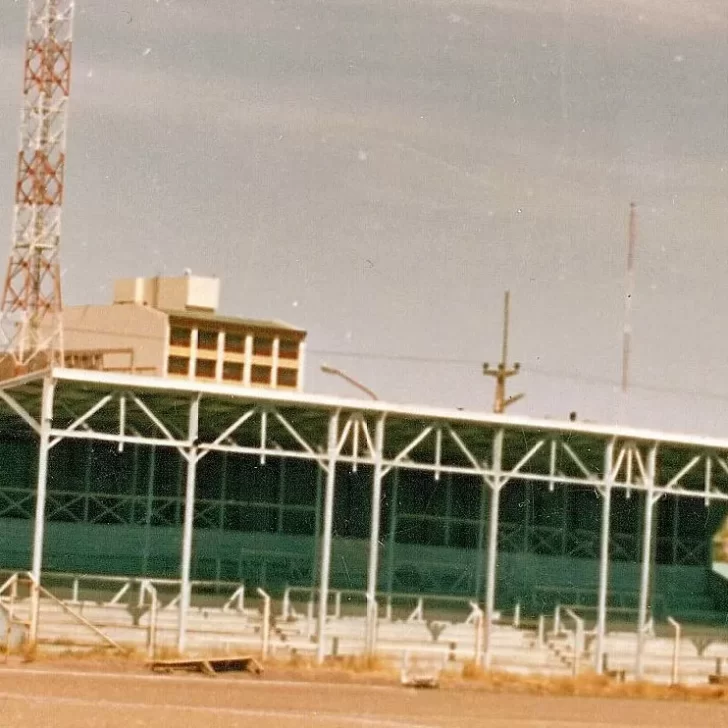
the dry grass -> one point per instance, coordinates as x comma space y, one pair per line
351, 665
586, 685
378, 670
364, 664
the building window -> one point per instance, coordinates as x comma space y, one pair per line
287, 377
235, 343
232, 372
288, 349
205, 368
179, 336
178, 365
207, 340
260, 375
262, 346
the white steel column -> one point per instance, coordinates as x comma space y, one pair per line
392, 538
148, 512
492, 546
324, 571
606, 493
650, 501
480, 544
191, 457
46, 422
372, 610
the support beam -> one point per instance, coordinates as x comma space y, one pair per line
650, 500
606, 493
392, 538
480, 544
186, 561
46, 422
492, 555
324, 572
317, 526
148, 510
372, 611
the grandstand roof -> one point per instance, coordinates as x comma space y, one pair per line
154, 410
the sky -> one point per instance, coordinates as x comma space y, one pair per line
379, 172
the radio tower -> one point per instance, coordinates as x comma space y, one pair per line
31, 299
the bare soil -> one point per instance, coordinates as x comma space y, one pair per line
67, 692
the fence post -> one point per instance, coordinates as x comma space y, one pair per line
557, 619
371, 626
286, 607
674, 679
309, 619
578, 640
154, 606
265, 629
479, 618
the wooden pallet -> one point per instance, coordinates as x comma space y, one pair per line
421, 681
210, 666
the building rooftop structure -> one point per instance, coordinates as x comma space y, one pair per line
170, 327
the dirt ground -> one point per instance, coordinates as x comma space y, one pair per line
50, 695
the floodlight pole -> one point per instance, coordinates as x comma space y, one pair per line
324, 571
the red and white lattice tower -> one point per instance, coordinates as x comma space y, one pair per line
31, 300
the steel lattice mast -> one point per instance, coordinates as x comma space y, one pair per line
31, 300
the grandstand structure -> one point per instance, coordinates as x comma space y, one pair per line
125, 474
156, 446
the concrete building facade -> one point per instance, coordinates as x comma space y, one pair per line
170, 327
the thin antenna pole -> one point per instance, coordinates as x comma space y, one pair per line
502, 373
506, 325
629, 293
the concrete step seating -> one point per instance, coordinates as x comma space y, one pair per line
222, 623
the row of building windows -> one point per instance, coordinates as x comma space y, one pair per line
284, 374
234, 343
233, 372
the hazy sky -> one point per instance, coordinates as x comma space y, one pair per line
379, 171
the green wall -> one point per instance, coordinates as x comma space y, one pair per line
121, 513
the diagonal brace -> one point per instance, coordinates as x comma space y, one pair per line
402, 455
20, 411
205, 449
81, 421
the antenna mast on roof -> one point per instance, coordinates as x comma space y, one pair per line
502, 372
30, 312
628, 294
